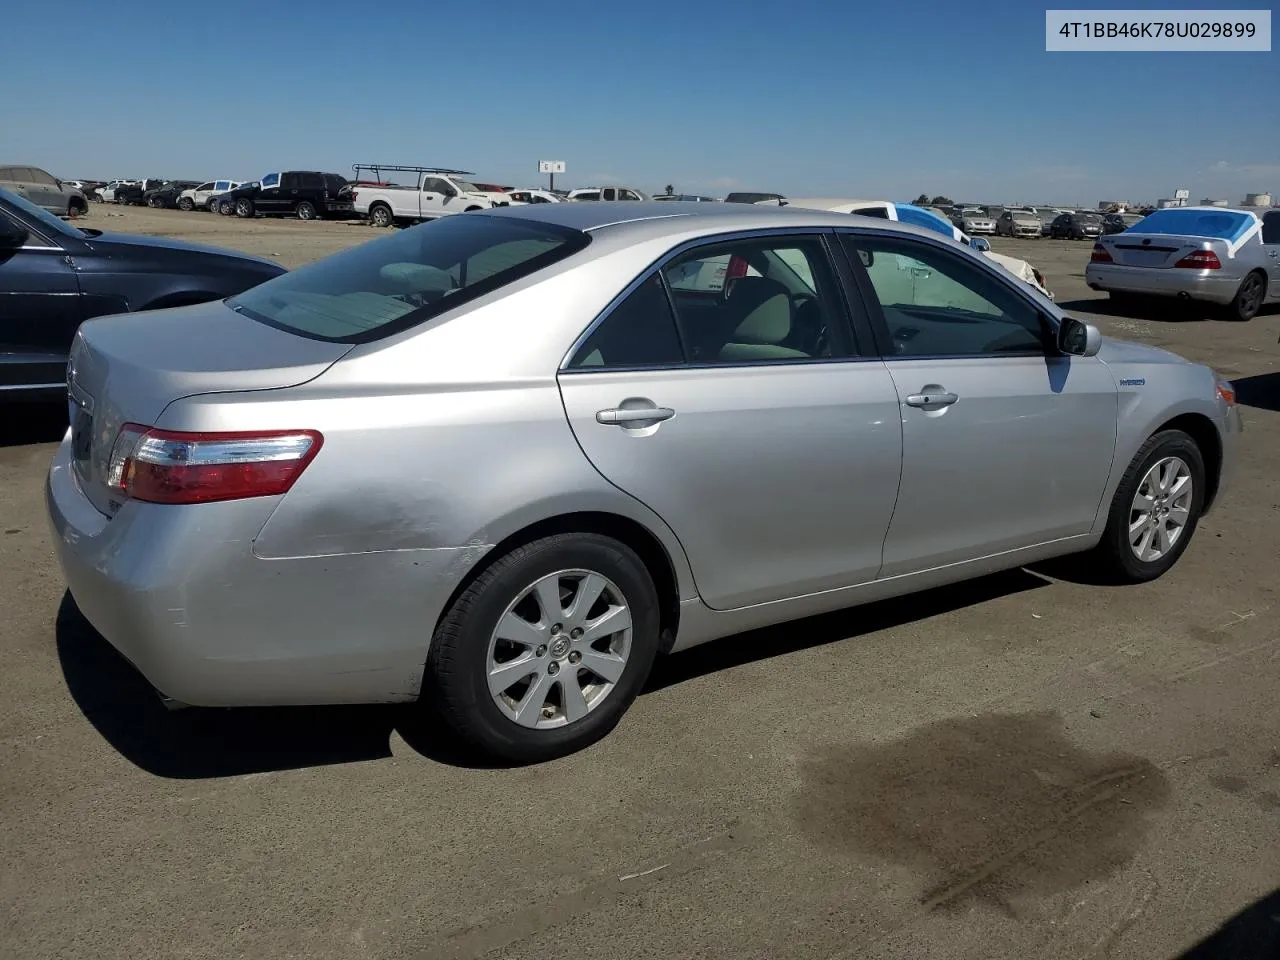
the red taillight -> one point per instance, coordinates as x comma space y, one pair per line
1099, 254
165, 466
1200, 260
354, 194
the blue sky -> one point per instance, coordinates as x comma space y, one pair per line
877, 100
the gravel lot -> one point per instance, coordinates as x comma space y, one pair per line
1022, 766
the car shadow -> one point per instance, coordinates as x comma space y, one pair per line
1262, 391
834, 627
1252, 934
33, 422
198, 743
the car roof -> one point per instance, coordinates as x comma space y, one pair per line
649, 219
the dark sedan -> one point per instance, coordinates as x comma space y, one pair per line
166, 196
1119, 222
1076, 226
53, 276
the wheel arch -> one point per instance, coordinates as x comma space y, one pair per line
647, 545
1203, 431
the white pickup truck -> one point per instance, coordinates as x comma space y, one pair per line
438, 193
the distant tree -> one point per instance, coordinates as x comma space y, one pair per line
922, 200
941, 201
670, 189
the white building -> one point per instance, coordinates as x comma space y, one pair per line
1257, 199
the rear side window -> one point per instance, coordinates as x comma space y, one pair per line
638, 332
310, 181
380, 288
1271, 228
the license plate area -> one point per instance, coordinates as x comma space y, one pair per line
81, 436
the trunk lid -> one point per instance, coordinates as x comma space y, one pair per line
1156, 250
128, 368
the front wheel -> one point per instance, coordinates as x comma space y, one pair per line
305, 210
186, 204
1155, 509
545, 651
1248, 299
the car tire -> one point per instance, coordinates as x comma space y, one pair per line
305, 210
1247, 302
1125, 556
77, 208
380, 215
469, 645
244, 208
185, 204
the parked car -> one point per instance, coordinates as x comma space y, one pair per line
1119, 222
166, 195
606, 193
44, 190
1079, 225
745, 196
436, 193
545, 507
198, 197
974, 221
534, 195
107, 192
929, 220
1216, 255
134, 193
1047, 215
686, 197
308, 194
54, 276
1018, 222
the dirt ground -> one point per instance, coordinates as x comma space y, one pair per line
1024, 766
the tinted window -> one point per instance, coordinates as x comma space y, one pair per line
396, 282
588, 195
333, 181
436, 185
1271, 228
39, 176
222, 185
937, 305
880, 212
309, 181
638, 332
757, 300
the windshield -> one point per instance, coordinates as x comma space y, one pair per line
396, 282
466, 186
47, 219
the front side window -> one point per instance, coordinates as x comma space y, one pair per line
935, 304
270, 180
638, 332
757, 300
39, 176
435, 185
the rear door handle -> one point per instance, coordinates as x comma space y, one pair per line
931, 399
628, 416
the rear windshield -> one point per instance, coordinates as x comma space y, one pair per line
399, 281
1228, 225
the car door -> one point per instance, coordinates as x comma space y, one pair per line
744, 416
40, 309
1271, 251
268, 198
433, 195
1005, 442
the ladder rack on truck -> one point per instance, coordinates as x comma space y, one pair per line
377, 168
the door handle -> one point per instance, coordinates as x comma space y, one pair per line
931, 399
628, 416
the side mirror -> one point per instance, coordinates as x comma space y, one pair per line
1078, 339
12, 235
981, 244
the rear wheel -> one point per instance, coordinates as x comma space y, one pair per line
1248, 298
244, 207
380, 215
543, 653
305, 210
1155, 509
77, 208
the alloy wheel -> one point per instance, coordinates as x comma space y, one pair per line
1161, 509
559, 649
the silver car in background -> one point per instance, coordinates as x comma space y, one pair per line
1216, 255
975, 222
1015, 222
501, 462
42, 188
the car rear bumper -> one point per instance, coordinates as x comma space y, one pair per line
181, 595
1162, 282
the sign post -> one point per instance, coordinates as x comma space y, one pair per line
551, 168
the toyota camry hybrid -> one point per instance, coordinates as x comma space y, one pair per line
502, 461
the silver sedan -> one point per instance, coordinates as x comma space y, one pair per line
503, 461
1230, 258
